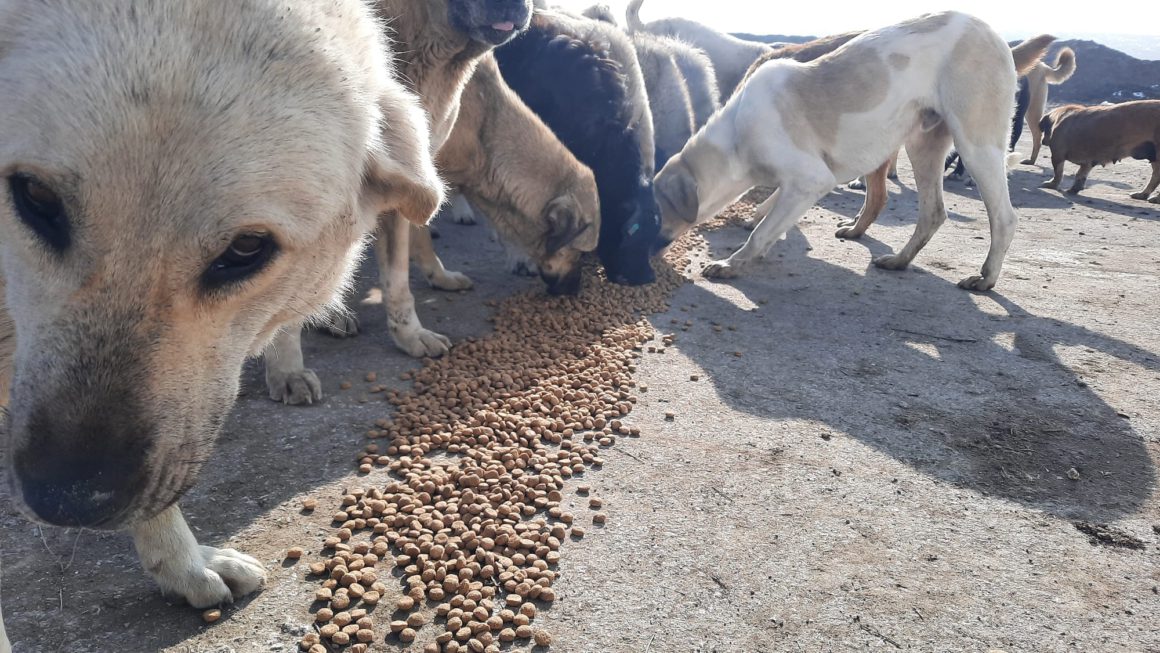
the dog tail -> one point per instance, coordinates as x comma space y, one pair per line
632, 17
1029, 52
1064, 67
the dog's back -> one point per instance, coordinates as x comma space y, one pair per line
1104, 134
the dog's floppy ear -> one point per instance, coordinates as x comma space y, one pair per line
677, 195
400, 173
566, 229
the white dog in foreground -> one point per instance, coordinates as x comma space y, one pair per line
804, 128
179, 181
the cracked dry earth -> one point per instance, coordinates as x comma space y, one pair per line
830, 457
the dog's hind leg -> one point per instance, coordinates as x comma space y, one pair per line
438, 276
202, 575
871, 208
990, 170
1151, 186
392, 249
892, 173
1080, 181
786, 207
287, 378
927, 152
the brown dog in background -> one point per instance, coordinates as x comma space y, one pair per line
1091, 136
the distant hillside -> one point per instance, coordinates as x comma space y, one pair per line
1105, 74
1102, 74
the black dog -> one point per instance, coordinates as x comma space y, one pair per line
1022, 101
563, 70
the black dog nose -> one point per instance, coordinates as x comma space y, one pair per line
81, 464
84, 488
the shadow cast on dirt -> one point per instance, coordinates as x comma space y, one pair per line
977, 398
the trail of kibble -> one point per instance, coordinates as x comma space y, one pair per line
480, 449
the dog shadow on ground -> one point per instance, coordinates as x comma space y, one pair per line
967, 389
1026, 192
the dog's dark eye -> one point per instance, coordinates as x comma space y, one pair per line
41, 210
247, 255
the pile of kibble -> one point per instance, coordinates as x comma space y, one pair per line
479, 450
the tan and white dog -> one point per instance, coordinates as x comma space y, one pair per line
438, 44
181, 181
805, 127
1038, 79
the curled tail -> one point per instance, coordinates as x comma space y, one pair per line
632, 17
1029, 52
1064, 67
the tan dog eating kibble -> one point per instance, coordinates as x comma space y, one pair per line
172, 200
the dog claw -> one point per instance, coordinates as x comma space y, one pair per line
848, 232
891, 262
451, 281
222, 576
976, 282
422, 343
342, 326
720, 270
298, 388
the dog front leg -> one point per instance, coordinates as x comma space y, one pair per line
871, 207
5, 647
1081, 176
786, 207
202, 575
1152, 184
392, 249
1057, 167
438, 276
287, 378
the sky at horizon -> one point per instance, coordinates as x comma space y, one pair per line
1012, 19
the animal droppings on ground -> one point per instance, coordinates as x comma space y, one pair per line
480, 450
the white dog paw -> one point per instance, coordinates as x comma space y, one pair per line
297, 388
857, 184
891, 262
977, 282
448, 280
720, 270
420, 342
848, 231
342, 326
224, 575
462, 213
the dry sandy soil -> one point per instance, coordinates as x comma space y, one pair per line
890, 464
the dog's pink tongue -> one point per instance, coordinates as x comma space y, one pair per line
506, 26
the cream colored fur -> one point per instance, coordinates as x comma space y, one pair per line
805, 127
1038, 79
167, 130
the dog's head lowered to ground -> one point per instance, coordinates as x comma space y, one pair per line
178, 181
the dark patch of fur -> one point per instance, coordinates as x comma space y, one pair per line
571, 82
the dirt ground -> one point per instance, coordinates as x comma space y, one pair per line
869, 460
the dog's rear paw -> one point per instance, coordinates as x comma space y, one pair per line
976, 282
891, 262
848, 231
1140, 196
857, 184
1050, 185
224, 575
297, 388
342, 326
448, 280
720, 270
420, 343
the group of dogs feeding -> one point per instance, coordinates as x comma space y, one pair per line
190, 182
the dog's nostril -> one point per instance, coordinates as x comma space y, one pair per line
76, 491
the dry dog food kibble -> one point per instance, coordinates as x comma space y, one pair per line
521, 413
211, 616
